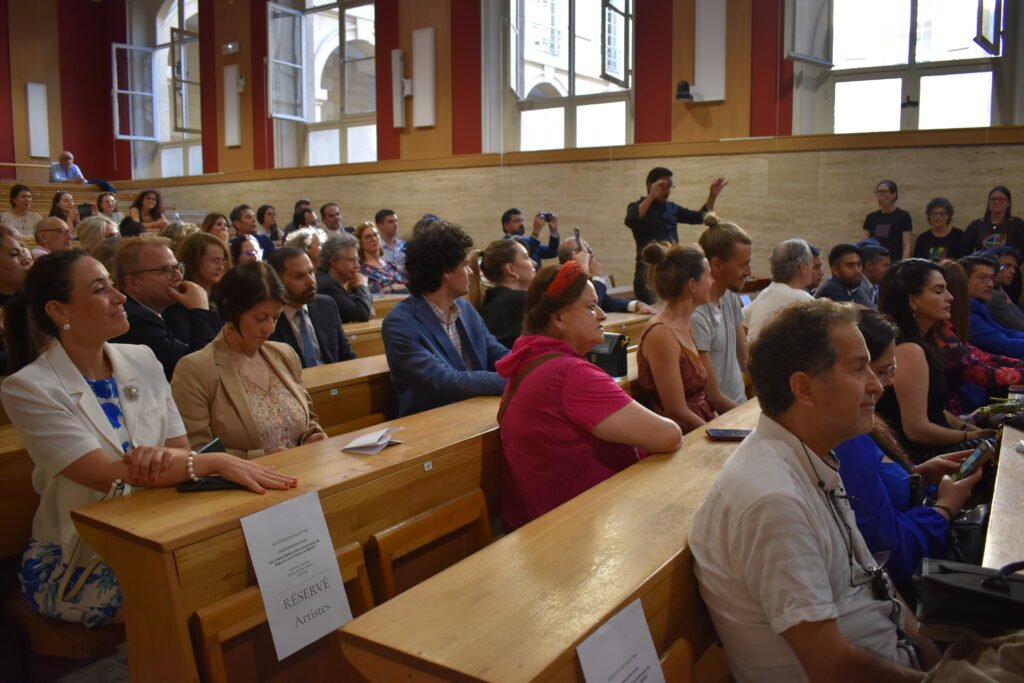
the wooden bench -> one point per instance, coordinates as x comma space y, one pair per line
365, 337
516, 610
629, 324
383, 303
351, 394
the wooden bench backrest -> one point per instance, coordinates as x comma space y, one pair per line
233, 636
413, 550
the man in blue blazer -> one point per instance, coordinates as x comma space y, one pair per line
243, 218
985, 332
309, 323
438, 348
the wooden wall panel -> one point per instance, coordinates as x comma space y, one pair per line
231, 22
434, 142
822, 196
692, 122
35, 58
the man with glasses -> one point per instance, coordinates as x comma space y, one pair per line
985, 331
790, 583
168, 314
653, 218
338, 277
52, 234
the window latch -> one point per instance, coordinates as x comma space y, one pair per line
909, 103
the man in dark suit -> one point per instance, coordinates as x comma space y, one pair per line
338, 277
170, 315
438, 348
243, 218
607, 302
309, 323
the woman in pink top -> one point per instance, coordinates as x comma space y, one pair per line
565, 424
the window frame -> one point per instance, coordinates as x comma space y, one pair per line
571, 102
151, 93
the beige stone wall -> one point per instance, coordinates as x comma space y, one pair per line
821, 196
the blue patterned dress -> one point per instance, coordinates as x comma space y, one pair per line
43, 568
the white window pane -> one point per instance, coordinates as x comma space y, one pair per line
324, 147
945, 30
362, 143
867, 106
600, 125
545, 37
172, 162
870, 33
542, 129
360, 67
588, 47
195, 159
956, 101
326, 59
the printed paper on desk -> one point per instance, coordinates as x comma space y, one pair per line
373, 443
621, 650
297, 571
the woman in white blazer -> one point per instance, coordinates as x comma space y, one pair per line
96, 419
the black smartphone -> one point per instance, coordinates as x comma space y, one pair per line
215, 446
981, 455
213, 483
727, 434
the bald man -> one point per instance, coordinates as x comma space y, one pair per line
52, 234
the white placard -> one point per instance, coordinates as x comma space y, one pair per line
297, 571
621, 650
38, 120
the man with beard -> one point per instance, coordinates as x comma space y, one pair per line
847, 273
718, 324
310, 321
513, 224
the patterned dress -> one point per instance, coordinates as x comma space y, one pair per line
382, 278
279, 416
43, 568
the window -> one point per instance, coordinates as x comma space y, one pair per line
570, 72
156, 95
322, 82
894, 65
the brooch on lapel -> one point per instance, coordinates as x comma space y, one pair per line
131, 392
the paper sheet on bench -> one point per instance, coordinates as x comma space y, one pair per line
621, 650
372, 443
297, 572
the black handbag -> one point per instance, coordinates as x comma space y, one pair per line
988, 601
967, 535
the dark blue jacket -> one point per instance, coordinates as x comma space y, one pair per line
535, 249
990, 336
323, 313
880, 497
426, 371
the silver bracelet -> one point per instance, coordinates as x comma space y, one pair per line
190, 463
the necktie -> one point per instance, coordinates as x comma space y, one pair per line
308, 353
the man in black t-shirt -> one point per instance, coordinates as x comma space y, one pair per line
890, 226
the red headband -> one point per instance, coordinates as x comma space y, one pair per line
567, 275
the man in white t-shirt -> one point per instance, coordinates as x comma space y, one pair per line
718, 325
791, 586
791, 263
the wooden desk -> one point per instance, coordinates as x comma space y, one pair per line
365, 337
174, 553
1005, 541
383, 303
629, 324
516, 610
19, 500
351, 394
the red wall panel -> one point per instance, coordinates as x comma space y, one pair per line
771, 76
388, 140
654, 91
208, 85
6, 112
86, 29
467, 128
262, 124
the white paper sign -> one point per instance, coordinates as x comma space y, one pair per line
621, 650
372, 443
297, 571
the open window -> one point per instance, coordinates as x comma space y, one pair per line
286, 63
185, 80
615, 52
134, 95
989, 34
809, 31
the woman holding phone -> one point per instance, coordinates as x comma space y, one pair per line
97, 419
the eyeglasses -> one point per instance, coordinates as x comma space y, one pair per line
217, 260
168, 270
883, 191
998, 200
59, 231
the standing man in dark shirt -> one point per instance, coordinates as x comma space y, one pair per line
653, 218
890, 226
514, 226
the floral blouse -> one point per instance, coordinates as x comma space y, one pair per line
280, 416
382, 278
974, 374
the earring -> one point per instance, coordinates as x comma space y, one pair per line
66, 326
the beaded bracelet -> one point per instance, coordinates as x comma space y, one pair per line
190, 463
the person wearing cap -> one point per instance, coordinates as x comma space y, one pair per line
565, 424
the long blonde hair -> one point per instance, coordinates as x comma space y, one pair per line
489, 263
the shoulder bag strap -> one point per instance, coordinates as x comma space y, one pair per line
518, 379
